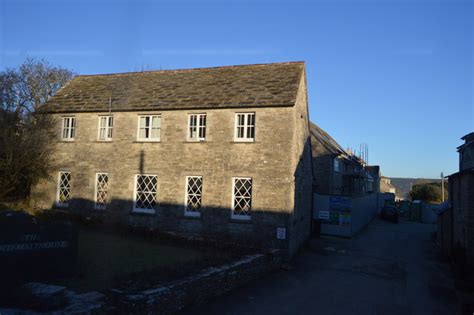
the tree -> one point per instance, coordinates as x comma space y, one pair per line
428, 192
25, 135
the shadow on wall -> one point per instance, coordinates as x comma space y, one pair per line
265, 229
213, 223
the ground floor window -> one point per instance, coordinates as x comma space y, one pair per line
242, 198
193, 195
101, 190
145, 193
64, 189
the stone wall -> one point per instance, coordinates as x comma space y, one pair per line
322, 167
195, 289
270, 161
462, 203
300, 220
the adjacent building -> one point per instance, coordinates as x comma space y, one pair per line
374, 172
386, 185
456, 220
337, 171
221, 153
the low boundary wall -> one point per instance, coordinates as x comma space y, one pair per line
195, 289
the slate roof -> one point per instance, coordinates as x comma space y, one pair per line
321, 136
261, 85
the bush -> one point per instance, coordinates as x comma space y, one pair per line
430, 192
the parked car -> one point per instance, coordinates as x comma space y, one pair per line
390, 213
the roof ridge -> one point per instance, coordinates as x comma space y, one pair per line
190, 69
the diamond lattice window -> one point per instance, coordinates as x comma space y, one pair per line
146, 188
197, 127
64, 189
242, 198
193, 195
69, 128
102, 188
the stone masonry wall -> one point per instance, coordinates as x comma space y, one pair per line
195, 289
300, 220
462, 202
269, 161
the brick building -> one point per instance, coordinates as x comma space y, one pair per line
221, 153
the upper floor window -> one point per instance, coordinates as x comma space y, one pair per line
337, 165
242, 198
244, 127
106, 124
197, 127
69, 128
149, 128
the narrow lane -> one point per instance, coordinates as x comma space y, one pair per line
386, 269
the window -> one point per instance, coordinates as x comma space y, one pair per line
149, 128
245, 127
193, 195
69, 126
197, 127
242, 201
64, 189
106, 124
337, 165
101, 190
145, 193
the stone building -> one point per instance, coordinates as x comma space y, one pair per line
336, 171
375, 174
221, 153
386, 185
456, 223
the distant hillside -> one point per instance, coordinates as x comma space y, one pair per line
403, 185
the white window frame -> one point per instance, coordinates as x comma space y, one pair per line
144, 210
150, 127
96, 191
70, 130
240, 216
109, 128
58, 192
186, 195
199, 127
337, 165
245, 138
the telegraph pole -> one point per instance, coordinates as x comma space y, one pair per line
442, 186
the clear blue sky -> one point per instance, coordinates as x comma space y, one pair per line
397, 75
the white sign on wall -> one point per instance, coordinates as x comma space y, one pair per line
281, 233
323, 215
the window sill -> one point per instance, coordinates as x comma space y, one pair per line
192, 216
195, 141
243, 141
66, 141
243, 220
142, 213
103, 141
147, 141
